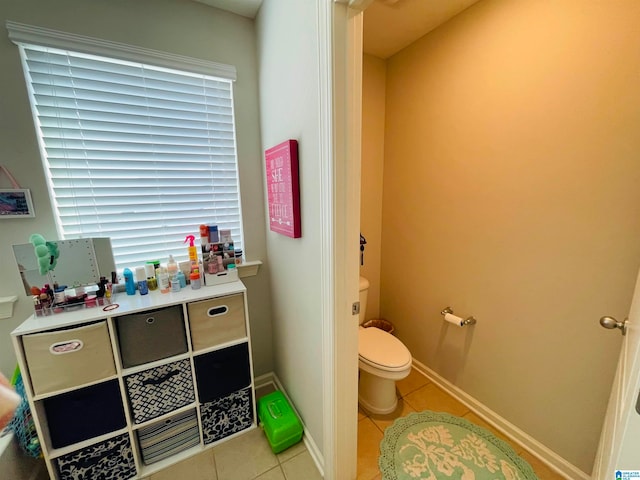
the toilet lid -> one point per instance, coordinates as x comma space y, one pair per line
381, 348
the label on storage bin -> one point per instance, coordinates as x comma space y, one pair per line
61, 348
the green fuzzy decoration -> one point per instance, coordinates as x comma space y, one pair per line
44, 263
37, 239
53, 249
47, 253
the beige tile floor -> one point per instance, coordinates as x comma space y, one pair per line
249, 457
417, 393
246, 457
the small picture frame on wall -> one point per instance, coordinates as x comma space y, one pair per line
283, 189
16, 203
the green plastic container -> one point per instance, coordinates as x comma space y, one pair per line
280, 423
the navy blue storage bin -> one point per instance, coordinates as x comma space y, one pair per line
222, 372
85, 413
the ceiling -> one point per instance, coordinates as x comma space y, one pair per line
246, 8
389, 25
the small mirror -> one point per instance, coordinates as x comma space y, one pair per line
80, 262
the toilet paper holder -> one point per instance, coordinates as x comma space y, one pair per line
467, 321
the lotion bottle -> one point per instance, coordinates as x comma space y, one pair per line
163, 279
172, 269
129, 282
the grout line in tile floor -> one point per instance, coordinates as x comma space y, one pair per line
249, 456
417, 393
245, 457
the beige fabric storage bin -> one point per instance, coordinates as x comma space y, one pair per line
68, 358
216, 321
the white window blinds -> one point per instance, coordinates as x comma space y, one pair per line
138, 153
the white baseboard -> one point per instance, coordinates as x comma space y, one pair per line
547, 456
264, 380
272, 379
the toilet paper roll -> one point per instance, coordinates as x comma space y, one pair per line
453, 319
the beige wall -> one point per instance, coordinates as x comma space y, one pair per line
372, 168
511, 193
174, 26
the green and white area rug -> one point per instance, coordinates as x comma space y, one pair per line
436, 446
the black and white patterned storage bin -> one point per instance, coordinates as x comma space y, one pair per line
108, 460
160, 390
227, 415
168, 437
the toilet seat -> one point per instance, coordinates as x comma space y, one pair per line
382, 350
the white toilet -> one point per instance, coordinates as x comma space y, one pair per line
383, 359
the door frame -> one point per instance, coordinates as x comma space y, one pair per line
340, 53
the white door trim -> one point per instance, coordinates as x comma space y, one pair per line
340, 48
327, 273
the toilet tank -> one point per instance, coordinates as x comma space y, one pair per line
364, 290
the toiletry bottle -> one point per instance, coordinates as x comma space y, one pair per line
214, 237
193, 251
129, 283
195, 280
141, 277
49, 291
44, 301
175, 282
37, 305
204, 239
152, 284
182, 279
163, 279
172, 268
58, 294
212, 265
108, 294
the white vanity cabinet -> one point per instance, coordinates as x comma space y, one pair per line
124, 392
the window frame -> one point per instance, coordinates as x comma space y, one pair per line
21, 34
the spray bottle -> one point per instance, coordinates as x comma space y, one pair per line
193, 252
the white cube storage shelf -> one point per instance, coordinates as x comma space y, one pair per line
124, 393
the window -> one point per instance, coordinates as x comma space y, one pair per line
134, 151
